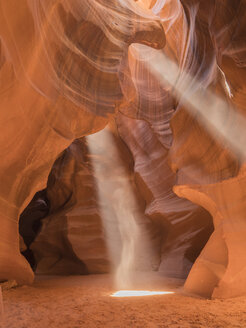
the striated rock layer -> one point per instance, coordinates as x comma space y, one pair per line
75, 234
56, 85
220, 269
72, 239
185, 228
65, 67
173, 230
207, 41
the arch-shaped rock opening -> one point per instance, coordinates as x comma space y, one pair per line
63, 226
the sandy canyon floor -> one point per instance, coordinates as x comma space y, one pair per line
85, 301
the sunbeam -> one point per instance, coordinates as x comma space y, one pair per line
217, 115
127, 240
135, 293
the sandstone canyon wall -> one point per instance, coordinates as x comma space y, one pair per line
74, 229
65, 68
56, 85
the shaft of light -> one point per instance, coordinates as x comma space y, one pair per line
125, 235
218, 116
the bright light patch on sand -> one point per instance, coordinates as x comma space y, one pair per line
134, 293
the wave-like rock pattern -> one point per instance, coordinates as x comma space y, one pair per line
208, 171
72, 239
66, 66
75, 235
220, 269
206, 40
185, 227
59, 62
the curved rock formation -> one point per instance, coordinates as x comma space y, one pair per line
220, 269
72, 238
56, 85
207, 41
185, 228
208, 171
75, 234
30, 224
67, 66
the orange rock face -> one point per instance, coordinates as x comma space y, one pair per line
210, 47
184, 227
65, 68
220, 269
72, 238
58, 81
